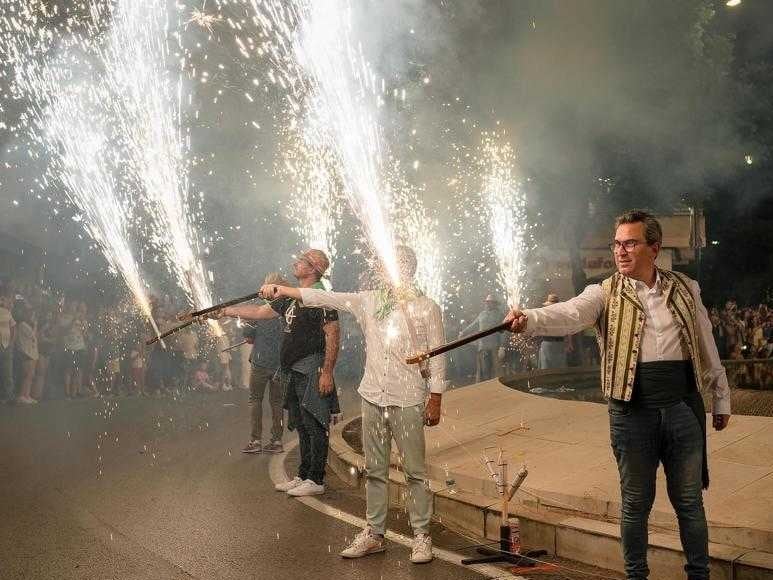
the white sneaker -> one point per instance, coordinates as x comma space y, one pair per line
421, 551
288, 485
308, 487
25, 401
363, 544
31, 401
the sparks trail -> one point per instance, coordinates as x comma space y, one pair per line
71, 122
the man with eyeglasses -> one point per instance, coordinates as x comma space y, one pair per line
307, 357
657, 355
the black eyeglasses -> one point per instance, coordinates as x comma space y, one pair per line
629, 245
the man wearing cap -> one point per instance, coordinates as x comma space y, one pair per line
657, 356
307, 357
552, 349
488, 346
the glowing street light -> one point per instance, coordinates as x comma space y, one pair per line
732, 3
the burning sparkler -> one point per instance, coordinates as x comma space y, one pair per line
151, 122
70, 122
415, 227
505, 203
343, 102
85, 166
331, 90
315, 205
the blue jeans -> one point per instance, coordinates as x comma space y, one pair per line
641, 438
313, 437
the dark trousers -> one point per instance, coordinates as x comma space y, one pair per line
641, 439
260, 379
312, 435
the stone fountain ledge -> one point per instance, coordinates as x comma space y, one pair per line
570, 502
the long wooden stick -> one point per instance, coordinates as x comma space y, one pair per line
421, 357
233, 346
198, 313
166, 333
207, 310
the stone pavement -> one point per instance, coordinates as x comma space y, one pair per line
565, 445
570, 502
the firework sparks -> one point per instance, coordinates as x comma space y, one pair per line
505, 202
136, 64
314, 207
69, 121
86, 164
416, 228
343, 102
206, 21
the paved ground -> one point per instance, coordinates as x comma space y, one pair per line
157, 489
571, 465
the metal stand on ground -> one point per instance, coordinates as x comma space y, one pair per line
506, 553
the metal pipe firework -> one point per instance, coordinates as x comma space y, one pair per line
203, 312
169, 332
233, 346
438, 350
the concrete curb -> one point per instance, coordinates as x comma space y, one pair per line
568, 535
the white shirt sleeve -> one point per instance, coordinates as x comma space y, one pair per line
565, 318
345, 301
714, 373
436, 336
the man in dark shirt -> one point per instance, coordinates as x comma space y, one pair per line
265, 337
307, 356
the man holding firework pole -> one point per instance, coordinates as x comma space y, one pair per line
307, 357
398, 400
657, 356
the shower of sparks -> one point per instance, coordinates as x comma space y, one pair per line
314, 207
505, 204
73, 128
137, 68
331, 91
344, 102
87, 161
417, 229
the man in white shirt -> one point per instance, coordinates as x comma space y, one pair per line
657, 354
395, 324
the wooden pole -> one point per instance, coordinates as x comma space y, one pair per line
424, 356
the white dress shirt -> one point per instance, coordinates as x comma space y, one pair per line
660, 337
388, 380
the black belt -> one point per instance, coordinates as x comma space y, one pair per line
662, 384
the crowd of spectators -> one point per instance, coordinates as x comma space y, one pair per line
54, 345
745, 334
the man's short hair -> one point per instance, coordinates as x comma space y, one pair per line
653, 233
319, 261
